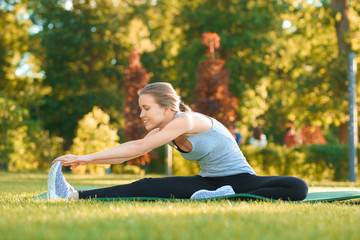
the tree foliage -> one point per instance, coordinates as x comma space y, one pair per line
212, 88
94, 133
284, 60
21, 90
136, 77
34, 148
81, 53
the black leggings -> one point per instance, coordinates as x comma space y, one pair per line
276, 187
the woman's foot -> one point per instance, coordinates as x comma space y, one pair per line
222, 191
58, 187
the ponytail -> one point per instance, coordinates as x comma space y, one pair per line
184, 108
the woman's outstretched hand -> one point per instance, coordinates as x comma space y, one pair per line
73, 160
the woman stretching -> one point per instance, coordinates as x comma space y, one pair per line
224, 169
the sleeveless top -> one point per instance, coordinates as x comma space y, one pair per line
216, 151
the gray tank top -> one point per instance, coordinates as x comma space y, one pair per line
216, 152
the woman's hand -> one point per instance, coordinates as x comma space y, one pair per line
73, 160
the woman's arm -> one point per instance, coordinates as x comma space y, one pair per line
105, 161
133, 149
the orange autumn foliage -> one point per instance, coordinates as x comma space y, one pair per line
212, 92
136, 77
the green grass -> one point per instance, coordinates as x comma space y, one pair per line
21, 217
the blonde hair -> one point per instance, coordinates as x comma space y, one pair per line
166, 96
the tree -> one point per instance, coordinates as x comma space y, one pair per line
312, 72
94, 134
20, 90
82, 56
211, 90
159, 39
136, 77
342, 26
306, 80
11, 116
249, 32
12, 32
33, 148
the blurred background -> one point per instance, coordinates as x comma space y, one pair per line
275, 72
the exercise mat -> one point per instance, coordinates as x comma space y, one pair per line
329, 196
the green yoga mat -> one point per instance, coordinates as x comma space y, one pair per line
312, 197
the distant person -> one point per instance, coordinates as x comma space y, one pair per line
258, 138
224, 169
291, 139
238, 137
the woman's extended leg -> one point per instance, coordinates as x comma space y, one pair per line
280, 187
276, 187
166, 187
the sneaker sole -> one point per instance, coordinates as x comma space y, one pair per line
51, 181
205, 194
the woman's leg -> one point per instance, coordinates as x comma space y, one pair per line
276, 187
280, 187
166, 187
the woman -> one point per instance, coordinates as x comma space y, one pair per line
224, 169
258, 139
291, 139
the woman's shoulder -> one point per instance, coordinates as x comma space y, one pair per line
199, 121
194, 116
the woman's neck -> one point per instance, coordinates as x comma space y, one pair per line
168, 118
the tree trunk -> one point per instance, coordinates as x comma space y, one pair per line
341, 24
341, 8
343, 134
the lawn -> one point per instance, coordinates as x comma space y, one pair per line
21, 217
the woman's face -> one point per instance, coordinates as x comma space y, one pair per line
152, 114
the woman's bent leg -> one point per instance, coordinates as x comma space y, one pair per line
167, 187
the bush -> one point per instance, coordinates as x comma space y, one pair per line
182, 167
310, 162
313, 162
127, 169
32, 148
94, 134
329, 161
272, 160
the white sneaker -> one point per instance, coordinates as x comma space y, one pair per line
222, 191
58, 187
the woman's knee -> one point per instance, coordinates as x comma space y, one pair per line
300, 188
